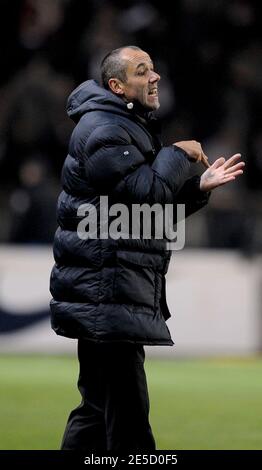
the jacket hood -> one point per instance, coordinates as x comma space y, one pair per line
90, 96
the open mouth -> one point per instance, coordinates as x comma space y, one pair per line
153, 92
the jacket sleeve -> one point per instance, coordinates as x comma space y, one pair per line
114, 164
191, 195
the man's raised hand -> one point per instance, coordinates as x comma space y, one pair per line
194, 151
221, 172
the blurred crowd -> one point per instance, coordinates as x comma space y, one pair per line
209, 55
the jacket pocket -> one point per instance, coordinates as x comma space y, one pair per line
136, 278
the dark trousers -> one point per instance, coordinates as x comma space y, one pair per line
113, 415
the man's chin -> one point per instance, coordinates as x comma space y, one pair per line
157, 106
153, 106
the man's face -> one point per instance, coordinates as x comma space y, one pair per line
142, 82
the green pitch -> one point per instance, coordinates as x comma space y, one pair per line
197, 404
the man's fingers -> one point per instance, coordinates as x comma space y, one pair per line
219, 162
228, 179
204, 160
231, 176
198, 158
232, 160
199, 155
235, 173
236, 167
205, 163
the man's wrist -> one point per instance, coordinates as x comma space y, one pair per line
201, 192
202, 187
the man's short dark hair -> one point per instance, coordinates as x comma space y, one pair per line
113, 66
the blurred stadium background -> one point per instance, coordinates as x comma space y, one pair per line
207, 390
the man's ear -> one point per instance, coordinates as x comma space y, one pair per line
116, 86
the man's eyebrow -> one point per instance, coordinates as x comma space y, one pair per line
143, 64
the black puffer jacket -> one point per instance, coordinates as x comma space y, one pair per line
114, 290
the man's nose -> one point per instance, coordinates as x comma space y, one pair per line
154, 77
